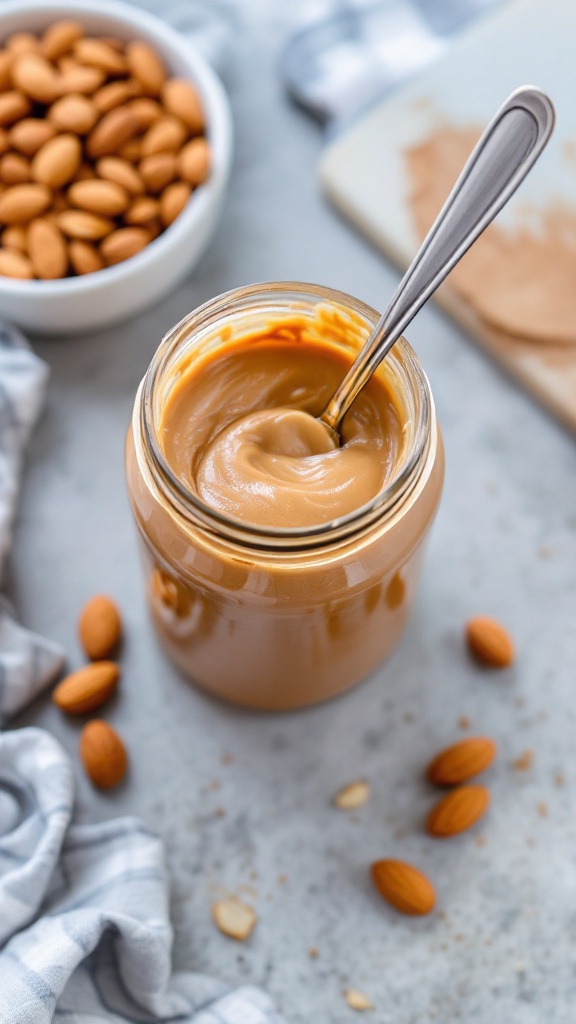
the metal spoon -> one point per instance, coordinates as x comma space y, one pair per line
500, 161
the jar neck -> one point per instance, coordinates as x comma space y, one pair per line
213, 325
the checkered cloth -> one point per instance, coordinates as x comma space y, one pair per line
85, 934
350, 53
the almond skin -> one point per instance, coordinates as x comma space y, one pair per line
457, 811
461, 761
87, 688
404, 887
47, 250
99, 627
489, 642
103, 754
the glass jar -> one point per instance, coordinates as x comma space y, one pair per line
279, 618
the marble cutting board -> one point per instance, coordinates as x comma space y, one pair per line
363, 170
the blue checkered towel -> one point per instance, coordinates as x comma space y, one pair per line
85, 934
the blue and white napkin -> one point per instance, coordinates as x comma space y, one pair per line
85, 934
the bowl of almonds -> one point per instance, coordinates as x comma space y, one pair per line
115, 151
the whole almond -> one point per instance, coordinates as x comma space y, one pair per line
234, 918
145, 65
457, 811
461, 761
47, 250
84, 80
15, 264
194, 161
167, 135
13, 106
146, 111
6, 59
182, 99
21, 203
143, 209
99, 627
103, 754
14, 237
85, 259
35, 77
173, 200
115, 93
59, 38
30, 134
57, 161
22, 42
115, 128
158, 171
84, 225
99, 54
113, 168
73, 113
88, 688
489, 642
103, 197
404, 887
123, 244
14, 169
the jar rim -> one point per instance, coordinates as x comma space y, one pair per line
190, 505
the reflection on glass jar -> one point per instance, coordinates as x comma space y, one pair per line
266, 616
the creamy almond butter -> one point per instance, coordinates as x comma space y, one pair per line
280, 569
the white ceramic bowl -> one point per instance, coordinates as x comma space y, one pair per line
76, 304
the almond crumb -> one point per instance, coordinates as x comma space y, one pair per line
524, 762
356, 794
464, 722
559, 779
357, 1000
543, 810
234, 918
313, 952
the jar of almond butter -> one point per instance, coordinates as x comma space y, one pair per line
280, 570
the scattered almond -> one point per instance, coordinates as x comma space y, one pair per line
404, 887
457, 811
234, 918
489, 642
15, 264
461, 761
84, 258
99, 627
88, 688
103, 754
357, 1000
47, 250
356, 794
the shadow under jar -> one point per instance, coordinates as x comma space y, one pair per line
269, 616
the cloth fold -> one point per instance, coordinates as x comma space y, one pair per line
85, 933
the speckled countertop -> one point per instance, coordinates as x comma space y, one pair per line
243, 800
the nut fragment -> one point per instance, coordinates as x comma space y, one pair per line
234, 918
99, 627
357, 1000
355, 794
404, 887
87, 688
461, 761
457, 811
47, 250
489, 642
103, 754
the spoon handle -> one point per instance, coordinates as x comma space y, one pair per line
510, 145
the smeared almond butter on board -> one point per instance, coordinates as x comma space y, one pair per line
457, 811
234, 918
403, 886
88, 688
103, 754
461, 761
99, 627
489, 642
355, 794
